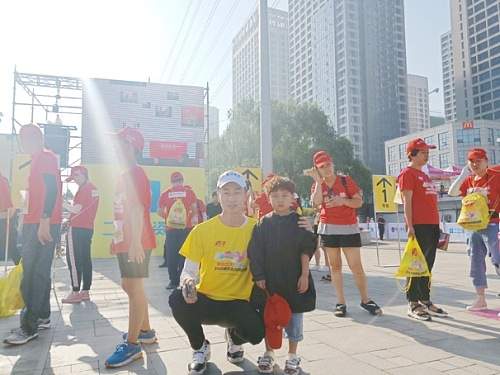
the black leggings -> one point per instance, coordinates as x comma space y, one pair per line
244, 322
427, 237
78, 256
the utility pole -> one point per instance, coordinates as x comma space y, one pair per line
207, 92
266, 145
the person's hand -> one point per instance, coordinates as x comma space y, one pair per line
304, 223
44, 231
136, 253
313, 173
336, 201
303, 284
189, 291
261, 284
411, 231
465, 171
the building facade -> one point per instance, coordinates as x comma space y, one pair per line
450, 105
300, 15
246, 65
418, 103
475, 35
453, 140
359, 72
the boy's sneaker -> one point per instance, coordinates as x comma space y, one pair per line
200, 358
145, 337
235, 352
85, 295
292, 366
433, 310
19, 337
73, 297
340, 310
43, 323
371, 307
266, 364
124, 354
418, 312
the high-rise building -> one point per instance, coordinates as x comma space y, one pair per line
418, 103
359, 71
246, 67
450, 105
476, 58
300, 15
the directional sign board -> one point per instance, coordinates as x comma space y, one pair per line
253, 176
384, 189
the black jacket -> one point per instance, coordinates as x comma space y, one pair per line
275, 249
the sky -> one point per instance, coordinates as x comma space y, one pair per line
154, 39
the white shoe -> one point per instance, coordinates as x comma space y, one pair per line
235, 353
200, 358
266, 364
292, 366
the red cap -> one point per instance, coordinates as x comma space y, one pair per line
321, 158
78, 169
277, 315
418, 144
477, 153
31, 131
132, 136
176, 176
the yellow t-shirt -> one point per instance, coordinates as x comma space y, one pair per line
222, 254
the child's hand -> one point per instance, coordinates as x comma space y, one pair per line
303, 284
304, 223
261, 284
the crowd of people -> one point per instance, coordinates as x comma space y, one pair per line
241, 262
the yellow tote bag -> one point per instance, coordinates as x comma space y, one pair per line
413, 263
11, 299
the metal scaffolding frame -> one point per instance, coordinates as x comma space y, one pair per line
48, 100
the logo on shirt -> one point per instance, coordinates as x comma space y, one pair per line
220, 243
176, 194
231, 261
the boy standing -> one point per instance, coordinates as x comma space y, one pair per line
279, 254
132, 243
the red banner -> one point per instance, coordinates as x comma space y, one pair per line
167, 150
192, 116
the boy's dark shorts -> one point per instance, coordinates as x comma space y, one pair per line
341, 240
134, 270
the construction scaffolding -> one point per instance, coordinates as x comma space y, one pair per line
52, 102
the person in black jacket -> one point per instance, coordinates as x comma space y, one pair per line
279, 253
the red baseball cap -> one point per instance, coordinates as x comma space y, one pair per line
30, 131
322, 158
132, 136
78, 169
418, 144
176, 176
477, 153
277, 315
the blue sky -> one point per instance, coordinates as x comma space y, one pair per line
133, 40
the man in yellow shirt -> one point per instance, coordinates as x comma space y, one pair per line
217, 262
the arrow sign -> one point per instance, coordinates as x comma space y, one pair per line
247, 173
384, 182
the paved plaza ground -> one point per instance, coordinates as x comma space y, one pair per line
83, 335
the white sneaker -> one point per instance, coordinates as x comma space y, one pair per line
292, 366
266, 364
235, 352
200, 358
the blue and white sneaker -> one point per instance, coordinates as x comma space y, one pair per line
145, 337
124, 354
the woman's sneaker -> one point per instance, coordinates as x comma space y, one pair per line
124, 354
340, 310
371, 307
145, 337
235, 353
19, 337
418, 312
200, 358
85, 295
73, 297
266, 364
292, 366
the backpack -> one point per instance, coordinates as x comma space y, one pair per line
177, 215
474, 215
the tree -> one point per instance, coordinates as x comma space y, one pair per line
298, 132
